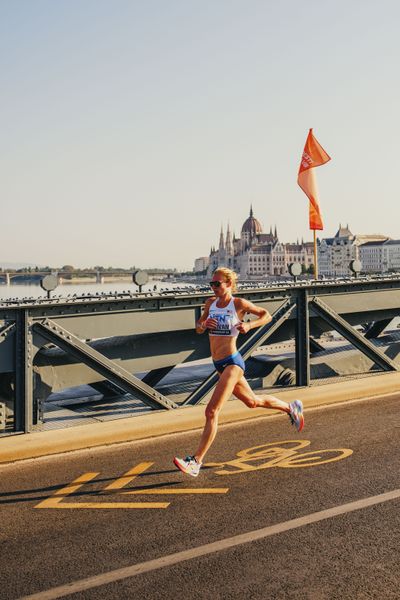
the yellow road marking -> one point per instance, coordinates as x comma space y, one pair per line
265, 456
55, 501
311, 459
100, 505
279, 454
76, 484
180, 491
59, 495
128, 476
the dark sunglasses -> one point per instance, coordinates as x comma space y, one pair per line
215, 283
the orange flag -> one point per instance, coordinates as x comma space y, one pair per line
313, 156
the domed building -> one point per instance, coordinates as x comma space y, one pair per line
251, 228
256, 254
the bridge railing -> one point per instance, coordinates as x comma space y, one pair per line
51, 344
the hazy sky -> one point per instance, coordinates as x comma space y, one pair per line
131, 130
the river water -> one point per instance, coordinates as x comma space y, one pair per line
33, 290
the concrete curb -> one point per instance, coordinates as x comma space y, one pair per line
45, 443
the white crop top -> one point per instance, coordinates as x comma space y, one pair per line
226, 318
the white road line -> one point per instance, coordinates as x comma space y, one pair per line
173, 559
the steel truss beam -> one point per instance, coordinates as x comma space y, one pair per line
349, 333
6, 331
262, 334
258, 338
107, 389
103, 365
155, 375
315, 346
376, 328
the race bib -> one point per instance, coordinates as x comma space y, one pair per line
224, 323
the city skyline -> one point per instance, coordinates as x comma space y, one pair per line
134, 130
213, 244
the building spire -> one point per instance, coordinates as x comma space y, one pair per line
251, 210
221, 240
228, 242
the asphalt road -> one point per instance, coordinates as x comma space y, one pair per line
53, 533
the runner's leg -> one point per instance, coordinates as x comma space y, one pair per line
243, 392
223, 390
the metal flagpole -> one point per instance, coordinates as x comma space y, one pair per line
315, 256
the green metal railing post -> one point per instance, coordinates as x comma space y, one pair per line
23, 373
302, 339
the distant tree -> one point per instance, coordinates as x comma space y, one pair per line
68, 268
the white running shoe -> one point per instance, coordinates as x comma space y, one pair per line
296, 414
188, 465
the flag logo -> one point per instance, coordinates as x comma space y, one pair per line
313, 156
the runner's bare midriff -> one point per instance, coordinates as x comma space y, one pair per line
221, 347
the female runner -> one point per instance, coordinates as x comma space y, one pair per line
223, 319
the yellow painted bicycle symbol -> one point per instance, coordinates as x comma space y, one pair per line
282, 454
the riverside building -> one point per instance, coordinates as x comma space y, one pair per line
256, 254
336, 253
380, 257
259, 255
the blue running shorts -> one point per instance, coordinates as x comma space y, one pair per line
233, 359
